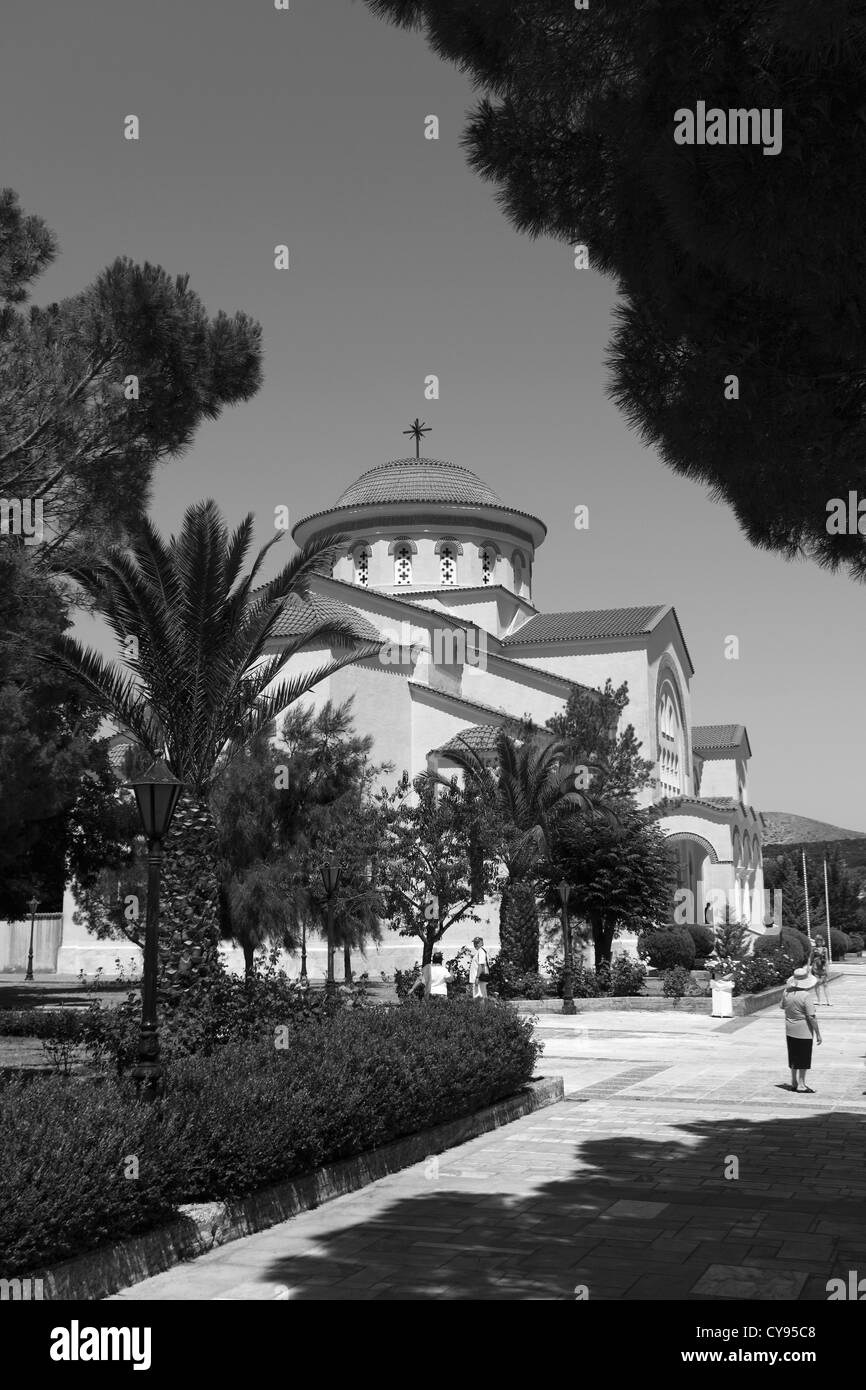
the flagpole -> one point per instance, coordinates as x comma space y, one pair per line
806, 896
827, 910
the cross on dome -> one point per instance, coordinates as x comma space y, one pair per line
417, 429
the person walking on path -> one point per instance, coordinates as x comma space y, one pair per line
801, 1025
434, 979
479, 969
820, 970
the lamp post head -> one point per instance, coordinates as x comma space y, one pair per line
564, 890
331, 875
157, 792
33, 903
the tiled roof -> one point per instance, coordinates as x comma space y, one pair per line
418, 480
716, 738
597, 624
481, 738
300, 617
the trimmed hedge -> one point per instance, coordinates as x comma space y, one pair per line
793, 943
666, 949
704, 939
839, 943
251, 1113
45, 1023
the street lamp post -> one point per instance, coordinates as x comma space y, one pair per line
157, 792
32, 904
331, 879
568, 1004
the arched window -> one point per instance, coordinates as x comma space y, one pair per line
670, 742
402, 565
518, 571
447, 565
488, 559
362, 566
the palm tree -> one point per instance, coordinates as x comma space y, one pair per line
199, 684
519, 799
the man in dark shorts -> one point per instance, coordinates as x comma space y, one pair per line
801, 1025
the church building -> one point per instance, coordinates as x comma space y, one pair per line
438, 571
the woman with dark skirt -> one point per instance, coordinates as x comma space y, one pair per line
801, 1025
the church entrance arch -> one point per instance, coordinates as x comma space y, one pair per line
694, 856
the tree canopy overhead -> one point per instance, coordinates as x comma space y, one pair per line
729, 261
96, 390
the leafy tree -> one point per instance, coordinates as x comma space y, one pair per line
847, 913
280, 808
56, 782
517, 802
98, 389
620, 867
75, 441
429, 876
726, 260
622, 874
198, 682
785, 875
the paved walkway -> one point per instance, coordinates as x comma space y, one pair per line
678, 1167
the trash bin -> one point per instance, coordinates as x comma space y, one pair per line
723, 998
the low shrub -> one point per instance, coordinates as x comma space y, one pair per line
667, 948
839, 943
223, 1009
63, 1189
53, 1024
763, 970
676, 982
857, 942
585, 982
250, 1114
793, 943
704, 939
507, 982
405, 979
627, 977
792, 939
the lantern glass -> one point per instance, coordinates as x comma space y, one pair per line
157, 794
331, 875
564, 890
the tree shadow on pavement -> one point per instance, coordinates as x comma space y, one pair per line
640, 1218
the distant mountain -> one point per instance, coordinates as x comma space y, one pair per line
784, 828
787, 833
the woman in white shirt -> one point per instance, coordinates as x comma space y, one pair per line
434, 978
479, 966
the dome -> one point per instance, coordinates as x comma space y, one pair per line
418, 480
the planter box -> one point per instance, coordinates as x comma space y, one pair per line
742, 1004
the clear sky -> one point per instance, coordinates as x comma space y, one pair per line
306, 127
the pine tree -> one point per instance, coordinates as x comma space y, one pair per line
727, 261
98, 389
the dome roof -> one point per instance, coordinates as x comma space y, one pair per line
418, 480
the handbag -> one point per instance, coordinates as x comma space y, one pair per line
483, 973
